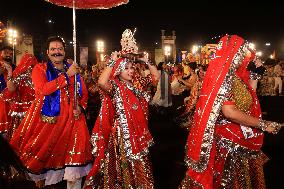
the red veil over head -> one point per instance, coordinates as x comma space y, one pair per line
231, 59
26, 62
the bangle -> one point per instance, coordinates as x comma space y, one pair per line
111, 63
149, 63
262, 124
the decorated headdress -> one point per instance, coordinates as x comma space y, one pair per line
128, 46
128, 42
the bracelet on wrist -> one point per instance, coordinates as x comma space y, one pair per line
276, 126
262, 124
111, 63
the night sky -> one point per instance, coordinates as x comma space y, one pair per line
194, 22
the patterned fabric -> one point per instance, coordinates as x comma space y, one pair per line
190, 104
89, 4
140, 82
117, 171
266, 84
241, 95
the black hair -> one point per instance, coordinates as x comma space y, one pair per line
55, 38
6, 47
192, 65
252, 68
204, 67
270, 62
160, 66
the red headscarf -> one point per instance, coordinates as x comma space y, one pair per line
26, 62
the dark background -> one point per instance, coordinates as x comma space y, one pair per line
194, 22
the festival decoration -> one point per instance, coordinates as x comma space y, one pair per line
3, 31
207, 53
89, 4
128, 42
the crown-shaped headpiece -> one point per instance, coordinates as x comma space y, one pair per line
128, 42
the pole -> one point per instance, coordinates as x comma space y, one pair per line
75, 55
13, 59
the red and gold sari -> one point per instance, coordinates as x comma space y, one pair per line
121, 138
221, 153
21, 99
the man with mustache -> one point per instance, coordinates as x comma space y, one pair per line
6, 54
53, 140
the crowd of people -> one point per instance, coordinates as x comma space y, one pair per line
272, 80
62, 122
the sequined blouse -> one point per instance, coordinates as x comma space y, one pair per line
240, 95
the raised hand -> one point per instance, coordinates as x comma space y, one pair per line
114, 55
73, 69
8, 67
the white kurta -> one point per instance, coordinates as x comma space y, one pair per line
157, 99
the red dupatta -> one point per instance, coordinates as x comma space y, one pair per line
26, 62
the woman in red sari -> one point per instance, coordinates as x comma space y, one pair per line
120, 136
6, 54
223, 147
19, 92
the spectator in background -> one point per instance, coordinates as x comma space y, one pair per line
163, 95
277, 79
266, 84
190, 79
185, 120
6, 58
